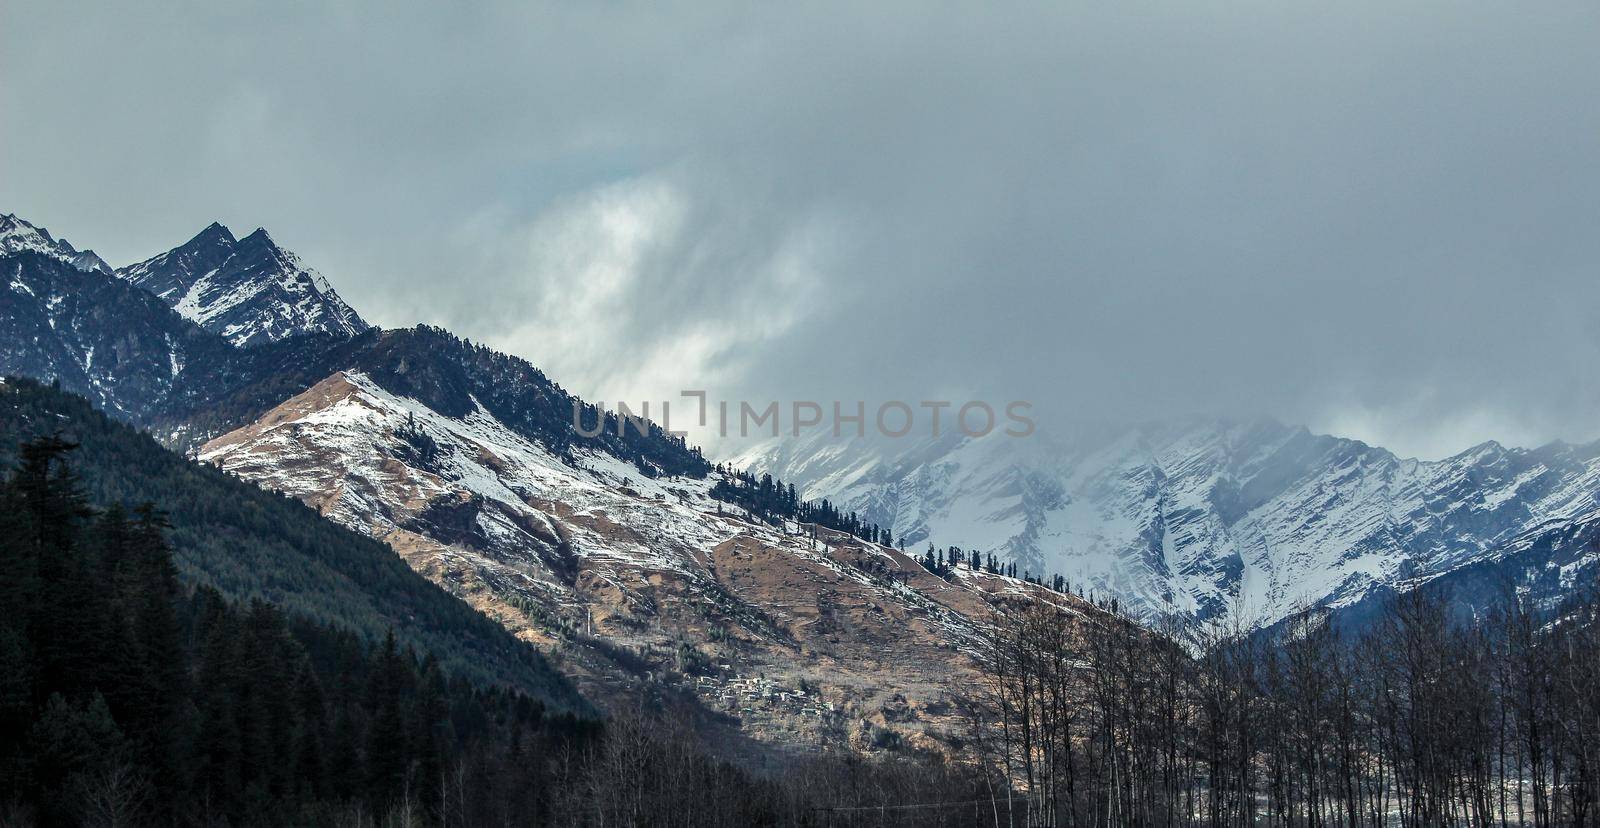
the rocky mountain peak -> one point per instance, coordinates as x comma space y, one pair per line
249, 290
18, 235
216, 228
259, 239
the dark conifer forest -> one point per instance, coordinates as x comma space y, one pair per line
768, 499
128, 699
252, 544
135, 690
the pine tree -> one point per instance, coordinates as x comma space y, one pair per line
429, 718
72, 742
159, 732
219, 740
311, 721
386, 743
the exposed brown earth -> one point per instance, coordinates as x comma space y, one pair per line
646, 591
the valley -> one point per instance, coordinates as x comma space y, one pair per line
608, 549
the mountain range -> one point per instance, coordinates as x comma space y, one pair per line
616, 551
603, 546
1210, 518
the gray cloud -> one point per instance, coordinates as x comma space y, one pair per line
1371, 217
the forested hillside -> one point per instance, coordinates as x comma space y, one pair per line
248, 543
128, 699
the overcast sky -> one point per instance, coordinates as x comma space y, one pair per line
1380, 219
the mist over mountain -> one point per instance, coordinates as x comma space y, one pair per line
1203, 517
725, 414
1230, 210
1207, 517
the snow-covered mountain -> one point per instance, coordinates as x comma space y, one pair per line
66, 316
249, 290
95, 334
236, 311
638, 581
17, 235
1206, 517
604, 544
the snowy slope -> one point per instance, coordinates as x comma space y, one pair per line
800, 637
17, 235
1202, 516
397, 464
380, 462
249, 290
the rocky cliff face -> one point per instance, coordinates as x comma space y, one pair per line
96, 335
162, 341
